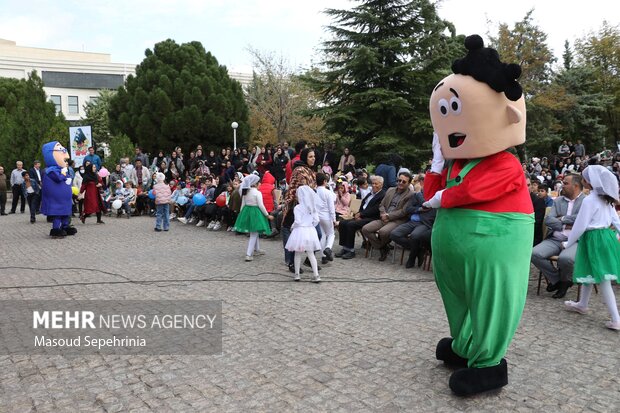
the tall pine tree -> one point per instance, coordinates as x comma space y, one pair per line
601, 51
181, 96
378, 72
526, 44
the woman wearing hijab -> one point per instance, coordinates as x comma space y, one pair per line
172, 173
347, 162
279, 163
156, 161
91, 186
77, 183
263, 161
177, 162
211, 162
116, 174
598, 252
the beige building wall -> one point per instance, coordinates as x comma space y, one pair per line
19, 61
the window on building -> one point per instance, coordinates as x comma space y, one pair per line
93, 99
73, 105
56, 100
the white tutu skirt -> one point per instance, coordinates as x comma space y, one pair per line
303, 239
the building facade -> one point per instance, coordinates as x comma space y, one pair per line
70, 78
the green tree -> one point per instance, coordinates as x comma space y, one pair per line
567, 56
27, 121
584, 116
179, 96
97, 116
601, 51
279, 102
377, 74
526, 44
120, 147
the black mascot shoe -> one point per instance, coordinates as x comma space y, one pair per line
470, 381
70, 230
445, 353
57, 233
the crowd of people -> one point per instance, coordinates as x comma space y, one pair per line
306, 195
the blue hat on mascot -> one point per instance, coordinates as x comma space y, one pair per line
48, 154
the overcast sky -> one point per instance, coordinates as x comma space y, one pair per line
294, 28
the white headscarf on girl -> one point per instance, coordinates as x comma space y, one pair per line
306, 197
248, 182
602, 180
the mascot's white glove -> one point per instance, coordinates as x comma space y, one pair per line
435, 201
68, 181
64, 170
438, 160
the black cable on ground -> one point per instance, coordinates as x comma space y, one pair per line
231, 279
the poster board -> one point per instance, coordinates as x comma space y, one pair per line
80, 139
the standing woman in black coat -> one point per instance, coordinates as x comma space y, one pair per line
279, 164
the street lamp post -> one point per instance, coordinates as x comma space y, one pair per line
234, 125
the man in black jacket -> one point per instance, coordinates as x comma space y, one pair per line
369, 211
36, 174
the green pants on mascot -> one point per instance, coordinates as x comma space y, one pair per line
482, 236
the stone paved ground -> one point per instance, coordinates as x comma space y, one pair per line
363, 340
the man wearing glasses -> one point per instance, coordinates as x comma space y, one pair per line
392, 213
560, 222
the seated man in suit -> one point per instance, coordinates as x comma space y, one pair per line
560, 222
391, 214
369, 211
416, 232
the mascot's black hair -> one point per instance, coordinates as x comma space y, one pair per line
483, 64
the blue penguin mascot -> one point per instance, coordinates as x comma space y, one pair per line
56, 199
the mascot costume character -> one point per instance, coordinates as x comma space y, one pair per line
56, 201
482, 237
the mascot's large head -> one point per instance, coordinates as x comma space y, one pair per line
55, 154
479, 110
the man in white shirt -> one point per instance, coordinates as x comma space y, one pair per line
560, 222
16, 186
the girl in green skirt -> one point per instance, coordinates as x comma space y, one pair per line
253, 215
598, 251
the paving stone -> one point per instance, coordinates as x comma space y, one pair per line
347, 344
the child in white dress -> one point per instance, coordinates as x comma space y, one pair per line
598, 252
326, 207
303, 236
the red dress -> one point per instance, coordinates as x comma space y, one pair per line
92, 198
